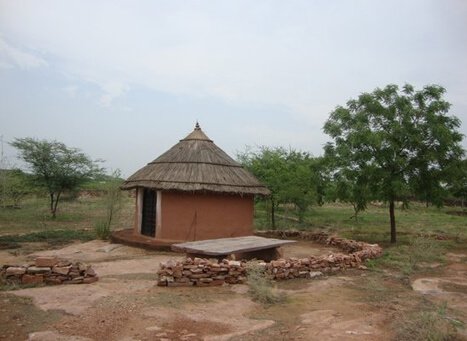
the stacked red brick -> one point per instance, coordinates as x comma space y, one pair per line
204, 272
201, 272
48, 270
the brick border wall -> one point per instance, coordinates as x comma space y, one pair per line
210, 272
48, 270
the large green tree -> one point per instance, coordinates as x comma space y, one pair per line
55, 167
458, 185
268, 165
398, 141
293, 177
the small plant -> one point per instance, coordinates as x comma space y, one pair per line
102, 229
260, 287
112, 200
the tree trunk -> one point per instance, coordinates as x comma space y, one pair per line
54, 209
392, 217
52, 205
273, 215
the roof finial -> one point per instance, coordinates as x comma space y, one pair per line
197, 126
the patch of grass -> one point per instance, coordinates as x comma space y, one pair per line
377, 292
10, 286
425, 325
409, 258
9, 245
53, 237
260, 287
75, 214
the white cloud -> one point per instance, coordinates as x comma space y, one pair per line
112, 90
11, 56
71, 90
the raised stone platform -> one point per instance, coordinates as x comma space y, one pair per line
128, 237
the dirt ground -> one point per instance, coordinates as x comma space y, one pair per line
125, 304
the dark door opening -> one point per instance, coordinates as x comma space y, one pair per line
148, 219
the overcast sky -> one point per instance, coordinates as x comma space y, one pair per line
126, 80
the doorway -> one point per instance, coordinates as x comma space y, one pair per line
148, 219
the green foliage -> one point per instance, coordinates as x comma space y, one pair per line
14, 187
397, 143
351, 189
260, 287
113, 203
55, 167
293, 177
458, 183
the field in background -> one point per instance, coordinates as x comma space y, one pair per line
373, 224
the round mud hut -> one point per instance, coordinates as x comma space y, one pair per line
194, 191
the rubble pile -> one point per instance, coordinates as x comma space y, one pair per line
210, 272
48, 270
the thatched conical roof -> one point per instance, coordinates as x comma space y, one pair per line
196, 164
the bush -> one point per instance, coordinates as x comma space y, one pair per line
260, 287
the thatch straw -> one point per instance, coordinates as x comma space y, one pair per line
196, 164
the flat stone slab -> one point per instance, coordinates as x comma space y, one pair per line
227, 246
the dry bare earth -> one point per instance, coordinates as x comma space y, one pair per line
125, 304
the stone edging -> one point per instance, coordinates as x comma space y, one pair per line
48, 270
210, 272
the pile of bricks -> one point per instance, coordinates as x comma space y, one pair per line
48, 270
208, 272
201, 272
311, 267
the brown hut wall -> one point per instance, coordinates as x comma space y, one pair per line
197, 216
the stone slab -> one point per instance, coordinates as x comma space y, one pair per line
227, 246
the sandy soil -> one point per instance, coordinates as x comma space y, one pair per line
126, 305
